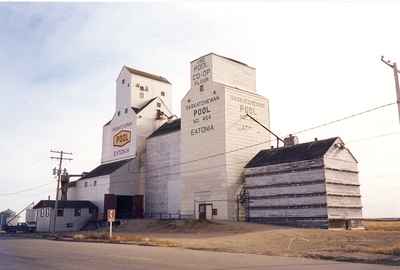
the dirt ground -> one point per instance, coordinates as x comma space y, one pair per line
378, 243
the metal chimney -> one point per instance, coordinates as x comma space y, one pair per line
291, 140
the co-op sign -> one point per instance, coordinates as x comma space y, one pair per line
201, 72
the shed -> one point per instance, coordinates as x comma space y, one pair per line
71, 215
313, 184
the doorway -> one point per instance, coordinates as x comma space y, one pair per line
205, 211
126, 206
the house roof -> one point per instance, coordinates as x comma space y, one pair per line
147, 75
64, 204
298, 152
167, 127
105, 169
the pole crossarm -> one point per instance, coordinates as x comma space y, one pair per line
396, 72
61, 158
387, 62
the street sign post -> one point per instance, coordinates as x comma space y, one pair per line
111, 219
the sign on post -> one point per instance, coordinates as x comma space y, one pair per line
111, 219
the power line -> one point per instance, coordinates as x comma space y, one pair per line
24, 190
373, 137
346, 117
268, 141
250, 146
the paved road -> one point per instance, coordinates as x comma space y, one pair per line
21, 254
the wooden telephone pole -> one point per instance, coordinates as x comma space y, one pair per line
396, 79
58, 173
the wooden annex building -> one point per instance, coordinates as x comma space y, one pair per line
310, 184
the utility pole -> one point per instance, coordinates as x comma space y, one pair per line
58, 173
396, 79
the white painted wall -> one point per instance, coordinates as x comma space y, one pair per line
93, 191
126, 122
127, 180
234, 74
129, 86
44, 222
163, 182
345, 172
124, 88
213, 123
154, 89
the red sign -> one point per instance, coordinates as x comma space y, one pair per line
111, 215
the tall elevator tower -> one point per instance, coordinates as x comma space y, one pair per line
217, 136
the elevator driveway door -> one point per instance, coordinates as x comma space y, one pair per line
205, 211
124, 207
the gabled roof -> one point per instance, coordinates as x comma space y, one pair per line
147, 75
64, 204
167, 127
298, 152
138, 110
227, 58
105, 169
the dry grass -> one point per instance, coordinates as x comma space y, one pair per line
379, 239
121, 238
372, 225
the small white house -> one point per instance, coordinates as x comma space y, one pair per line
71, 215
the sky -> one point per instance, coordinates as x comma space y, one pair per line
316, 61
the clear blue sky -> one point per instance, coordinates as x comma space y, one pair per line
315, 62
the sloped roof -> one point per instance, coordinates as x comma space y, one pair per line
230, 59
64, 204
167, 127
298, 152
105, 169
147, 75
138, 110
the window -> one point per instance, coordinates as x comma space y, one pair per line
60, 212
158, 105
214, 92
41, 212
129, 85
146, 88
141, 95
162, 93
142, 88
94, 183
126, 110
77, 212
137, 85
86, 184
123, 81
118, 113
201, 88
47, 212
91, 210
69, 225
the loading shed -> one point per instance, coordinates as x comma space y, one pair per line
313, 184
